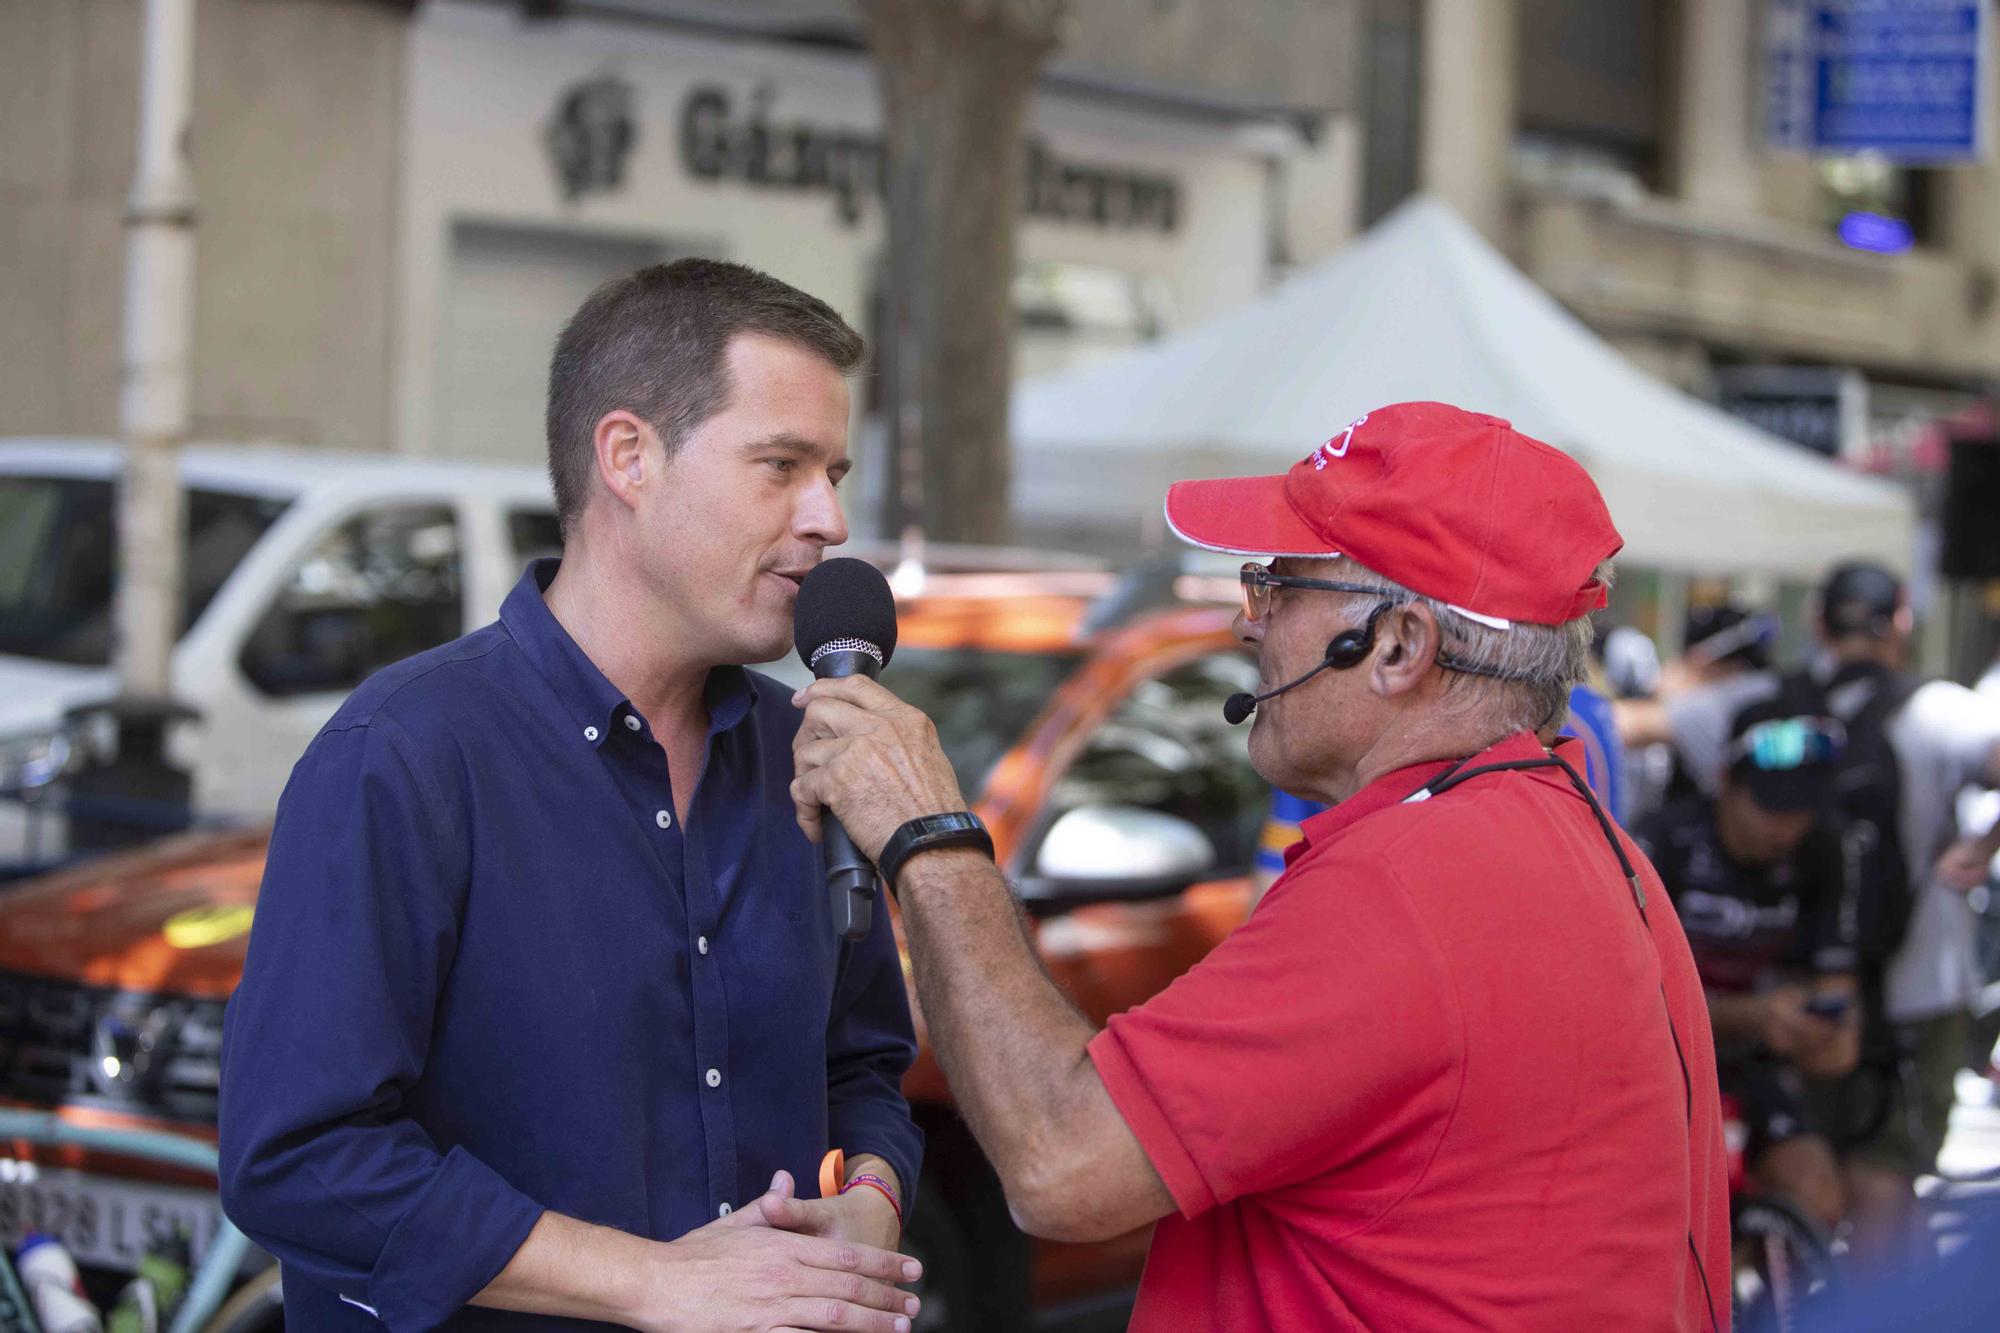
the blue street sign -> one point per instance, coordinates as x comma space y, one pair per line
1903, 78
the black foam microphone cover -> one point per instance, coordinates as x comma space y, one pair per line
843, 602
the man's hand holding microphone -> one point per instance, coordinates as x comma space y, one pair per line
876, 758
859, 749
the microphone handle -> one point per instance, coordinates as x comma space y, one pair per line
850, 882
850, 877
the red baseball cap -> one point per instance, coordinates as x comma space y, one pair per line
1456, 505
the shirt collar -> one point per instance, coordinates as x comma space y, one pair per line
1397, 787
594, 704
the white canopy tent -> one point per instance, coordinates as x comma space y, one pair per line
1423, 308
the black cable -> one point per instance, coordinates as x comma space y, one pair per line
1610, 836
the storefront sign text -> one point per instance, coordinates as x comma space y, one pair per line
717, 143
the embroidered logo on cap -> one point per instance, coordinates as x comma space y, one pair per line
1327, 452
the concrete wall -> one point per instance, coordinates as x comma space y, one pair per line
1465, 130
1300, 53
1736, 255
1297, 53
1658, 267
296, 124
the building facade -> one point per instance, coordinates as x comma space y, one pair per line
400, 200
297, 131
1627, 154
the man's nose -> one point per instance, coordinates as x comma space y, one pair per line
1248, 632
818, 517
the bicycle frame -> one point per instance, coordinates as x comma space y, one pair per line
219, 1266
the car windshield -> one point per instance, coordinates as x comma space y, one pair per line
982, 700
58, 549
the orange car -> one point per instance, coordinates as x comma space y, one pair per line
1120, 802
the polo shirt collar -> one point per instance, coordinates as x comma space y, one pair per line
1397, 787
594, 704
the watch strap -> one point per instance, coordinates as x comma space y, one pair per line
960, 828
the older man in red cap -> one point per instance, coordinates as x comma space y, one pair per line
1455, 1071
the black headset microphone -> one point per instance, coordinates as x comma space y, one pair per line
1349, 648
844, 624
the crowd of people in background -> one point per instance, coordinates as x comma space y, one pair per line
1808, 826
1828, 830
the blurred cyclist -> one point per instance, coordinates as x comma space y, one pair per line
1911, 747
1757, 875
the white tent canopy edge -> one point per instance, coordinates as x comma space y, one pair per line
1423, 308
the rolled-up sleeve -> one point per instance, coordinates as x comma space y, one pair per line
355, 932
870, 1045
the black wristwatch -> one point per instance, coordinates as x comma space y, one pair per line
961, 828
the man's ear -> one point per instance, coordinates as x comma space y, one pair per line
1406, 646
626, 459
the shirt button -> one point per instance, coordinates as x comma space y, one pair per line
722, 1211
590, 733
632, 722
715, 1078
702, 944
665, 819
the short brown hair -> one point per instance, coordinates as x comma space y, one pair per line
654, 343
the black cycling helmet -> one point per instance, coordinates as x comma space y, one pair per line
1784, 757
1859, 598
1728, 633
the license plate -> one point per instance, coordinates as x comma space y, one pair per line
102, 1223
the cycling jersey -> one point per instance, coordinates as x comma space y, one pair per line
1746, 924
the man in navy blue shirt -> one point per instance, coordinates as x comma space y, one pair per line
544, 988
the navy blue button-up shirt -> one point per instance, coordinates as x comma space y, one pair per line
492, 974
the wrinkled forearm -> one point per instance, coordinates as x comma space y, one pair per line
1010, 1042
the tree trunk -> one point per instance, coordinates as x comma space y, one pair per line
159, 326
956, 77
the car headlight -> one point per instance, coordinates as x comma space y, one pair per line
29, 763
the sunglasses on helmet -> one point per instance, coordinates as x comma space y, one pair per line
1787, 743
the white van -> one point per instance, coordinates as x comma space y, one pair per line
306, 571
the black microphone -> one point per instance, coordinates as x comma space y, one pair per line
1237, 707
844, 624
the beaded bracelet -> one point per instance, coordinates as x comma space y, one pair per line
876, 1182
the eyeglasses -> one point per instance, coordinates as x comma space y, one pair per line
1258, 583
1784, 744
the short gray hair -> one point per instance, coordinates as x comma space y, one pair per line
1515, 679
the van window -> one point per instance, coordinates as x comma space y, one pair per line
1166, 747
58, 558
384, 586
535, 533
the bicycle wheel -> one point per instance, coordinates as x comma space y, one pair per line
1783, 1263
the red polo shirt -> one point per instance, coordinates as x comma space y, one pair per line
1430, 1083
